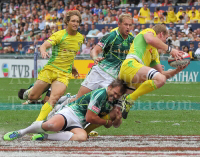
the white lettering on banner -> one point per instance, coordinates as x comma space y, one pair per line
185, 76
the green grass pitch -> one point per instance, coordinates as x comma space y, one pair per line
139, 122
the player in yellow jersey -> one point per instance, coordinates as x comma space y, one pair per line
142, 68
56, 73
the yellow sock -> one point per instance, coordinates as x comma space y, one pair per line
45, 110
91, 127
144, 88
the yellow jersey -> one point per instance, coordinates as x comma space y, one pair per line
144, 13
143, 52
64, 49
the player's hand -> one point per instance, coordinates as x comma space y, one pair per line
109, 124
178, 55
180, 68
118, 112
45, 54
97, 60
75, 73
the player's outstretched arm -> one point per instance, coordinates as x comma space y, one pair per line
170, 73
157, 43
43, 48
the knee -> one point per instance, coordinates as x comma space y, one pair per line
161, 80
50, 126
33, 96
81, 137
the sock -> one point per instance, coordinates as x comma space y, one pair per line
61, 136
45, 110
144, 88
91, 127
36, 127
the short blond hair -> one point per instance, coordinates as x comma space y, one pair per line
124, 16
160, 28
72, 13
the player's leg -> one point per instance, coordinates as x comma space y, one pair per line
38, 89
151, 80
57, 90
147, 79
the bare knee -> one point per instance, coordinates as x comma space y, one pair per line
160, 81
33, 96
50, 126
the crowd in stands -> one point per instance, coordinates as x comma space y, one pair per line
36, 20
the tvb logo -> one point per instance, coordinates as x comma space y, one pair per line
5, 70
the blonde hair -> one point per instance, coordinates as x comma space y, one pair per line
124, 16
72, 13
160, 28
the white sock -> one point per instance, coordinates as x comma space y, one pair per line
36, 127
61, 136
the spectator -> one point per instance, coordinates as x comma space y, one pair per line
101, 34
93, 31
31, 50
87, 21
87, 49
185, 49
141, 4
186, 29
1, 48
113, 21
193, 18
96, 10
107, 19
191, 48
179, 13
155, 4
42, 23
81, 29
1, 23
10, 49
171, 17
175, 42
101, 18
190, 37
144, 14
135, 16
6, 19
127, 11
1, 36
5, 50
197, 52
20, 50
136, 31
187, 19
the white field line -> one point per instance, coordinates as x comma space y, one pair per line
171, 95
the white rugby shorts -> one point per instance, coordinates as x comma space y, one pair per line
72, 121
97, 78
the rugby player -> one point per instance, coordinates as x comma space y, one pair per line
56, 73
142, 68
72, 118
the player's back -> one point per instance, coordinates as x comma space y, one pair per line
141, 51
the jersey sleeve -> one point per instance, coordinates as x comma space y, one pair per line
95, 101
156, 61
55, 38
105, 41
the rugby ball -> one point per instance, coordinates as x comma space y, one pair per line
173, 63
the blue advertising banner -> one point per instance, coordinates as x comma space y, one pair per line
190, 74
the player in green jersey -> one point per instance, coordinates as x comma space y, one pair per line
72, 118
